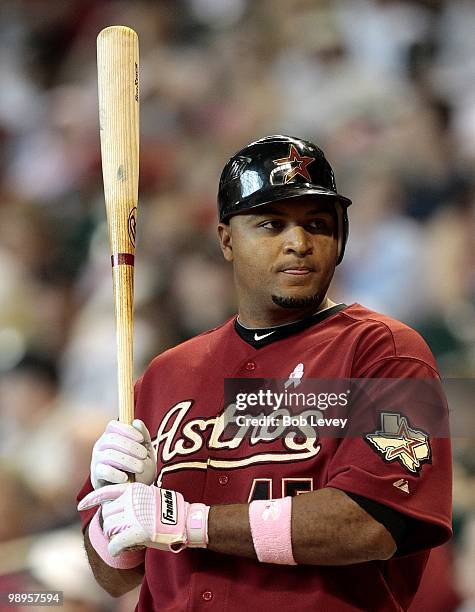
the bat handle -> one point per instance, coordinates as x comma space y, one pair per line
123, 280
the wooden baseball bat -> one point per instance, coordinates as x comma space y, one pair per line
118, 80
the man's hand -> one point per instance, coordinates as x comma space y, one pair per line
138, 515
121, 450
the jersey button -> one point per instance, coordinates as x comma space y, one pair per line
223, 480
207, 595
250, 365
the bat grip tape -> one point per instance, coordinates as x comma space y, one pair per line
120, 259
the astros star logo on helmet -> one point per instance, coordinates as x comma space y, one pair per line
297, 165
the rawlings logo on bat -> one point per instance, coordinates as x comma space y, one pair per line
132, 225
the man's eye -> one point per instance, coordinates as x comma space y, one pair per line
272, 224
318, 225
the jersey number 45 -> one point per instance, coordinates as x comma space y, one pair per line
263, 488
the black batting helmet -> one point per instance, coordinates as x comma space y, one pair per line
278, 168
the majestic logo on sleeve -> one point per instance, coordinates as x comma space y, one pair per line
398, 441
294, 165
402, 484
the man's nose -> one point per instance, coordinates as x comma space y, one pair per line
297, 241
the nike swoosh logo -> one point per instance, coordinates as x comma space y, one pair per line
257, 337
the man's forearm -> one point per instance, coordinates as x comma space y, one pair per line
116, 582
328, 528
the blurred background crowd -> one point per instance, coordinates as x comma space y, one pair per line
386, 88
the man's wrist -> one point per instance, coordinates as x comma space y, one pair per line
197, 526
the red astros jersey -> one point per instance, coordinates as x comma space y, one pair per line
180, 397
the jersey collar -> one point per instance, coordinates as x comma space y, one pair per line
262, 336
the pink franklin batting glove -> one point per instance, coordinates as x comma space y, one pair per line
121, 450
125, 560
139, 515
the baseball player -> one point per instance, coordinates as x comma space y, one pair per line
296, 521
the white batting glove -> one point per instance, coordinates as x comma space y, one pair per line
121, 450
138, 515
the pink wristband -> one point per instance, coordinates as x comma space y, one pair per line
270, 522
125, 560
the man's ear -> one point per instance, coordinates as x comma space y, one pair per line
225, 240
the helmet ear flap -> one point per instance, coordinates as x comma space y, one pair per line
339, 220
342, 230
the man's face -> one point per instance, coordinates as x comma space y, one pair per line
284, 254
